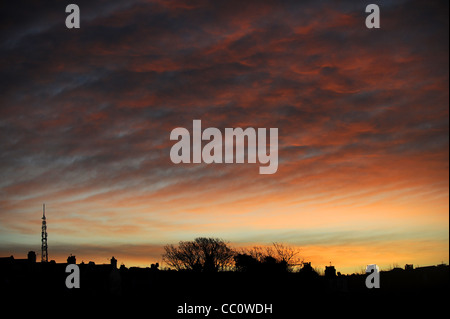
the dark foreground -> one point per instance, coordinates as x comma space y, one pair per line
152, 293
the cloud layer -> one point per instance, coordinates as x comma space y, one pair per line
362, 114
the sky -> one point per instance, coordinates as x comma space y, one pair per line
362, 118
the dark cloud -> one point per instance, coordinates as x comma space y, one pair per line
86, 111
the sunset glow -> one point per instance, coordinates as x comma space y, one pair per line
362, 118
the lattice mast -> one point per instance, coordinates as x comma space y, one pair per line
44, 254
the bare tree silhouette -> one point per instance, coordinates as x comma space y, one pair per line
202, 254
287, 254
275, 258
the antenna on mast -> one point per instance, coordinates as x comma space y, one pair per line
44, 254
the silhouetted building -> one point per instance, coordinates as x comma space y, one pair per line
114, 262
19, 277
32, 257
307, 268
10, 264
154, 266
330, 271
71, 259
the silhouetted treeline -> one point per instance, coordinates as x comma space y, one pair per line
218, 274
166, 289
214, 254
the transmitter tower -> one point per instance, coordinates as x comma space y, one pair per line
44, 254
